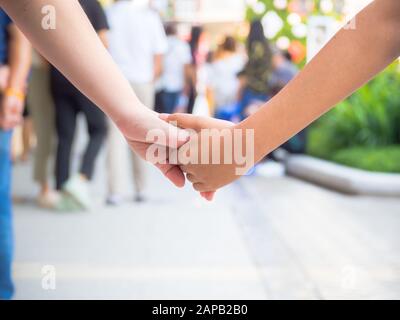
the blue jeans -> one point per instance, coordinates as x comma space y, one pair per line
6, 230
249, 97
170, 101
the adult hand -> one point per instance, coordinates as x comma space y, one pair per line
137, 130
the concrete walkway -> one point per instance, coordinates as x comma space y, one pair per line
263, 238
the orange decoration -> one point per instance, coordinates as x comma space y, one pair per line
298, 51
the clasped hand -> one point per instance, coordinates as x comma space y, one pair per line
206, 159
193, 153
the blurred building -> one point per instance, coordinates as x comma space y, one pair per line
352, 7
221, 17
218, 17
207, 11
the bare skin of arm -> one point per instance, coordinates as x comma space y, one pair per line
158, 66
19, 62
187, 76
347, 62
76, 50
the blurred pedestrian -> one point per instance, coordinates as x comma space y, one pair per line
256, 74
176, 72
23, 140
69, 103
15, 63
223, 82
284, 70
28, 134
41, 106
138, 44
194, 43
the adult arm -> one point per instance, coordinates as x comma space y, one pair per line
75, 49
158, 66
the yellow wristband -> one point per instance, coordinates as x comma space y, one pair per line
11, 92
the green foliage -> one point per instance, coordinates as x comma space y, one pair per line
369, 118
382, 159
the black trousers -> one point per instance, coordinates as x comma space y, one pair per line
68, 105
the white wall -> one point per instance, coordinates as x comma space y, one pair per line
354, 6
205, 11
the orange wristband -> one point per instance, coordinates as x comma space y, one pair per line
11, 92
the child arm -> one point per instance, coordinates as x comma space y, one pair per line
347, 62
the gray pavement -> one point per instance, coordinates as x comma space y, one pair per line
262, 238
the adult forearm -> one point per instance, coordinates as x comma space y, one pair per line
19, 60
348, 61
75, 49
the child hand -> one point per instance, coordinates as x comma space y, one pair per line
205, 174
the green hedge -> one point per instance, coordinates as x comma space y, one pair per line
369, 119
385, 159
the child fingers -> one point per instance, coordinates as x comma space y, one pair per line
192, 178
202, 188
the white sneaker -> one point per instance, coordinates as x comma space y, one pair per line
68, 204
114, 200
78, 189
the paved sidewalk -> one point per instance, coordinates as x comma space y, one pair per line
263, 238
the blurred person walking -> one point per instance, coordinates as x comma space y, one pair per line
176, 72
223, 82
41, 106
256, 74
138, 44
69, 103
15, 63
194, 43
23, 140
28, 134
283, 71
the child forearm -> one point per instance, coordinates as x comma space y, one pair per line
348, 61
76, 50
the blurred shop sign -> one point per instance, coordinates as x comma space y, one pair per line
320, 30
